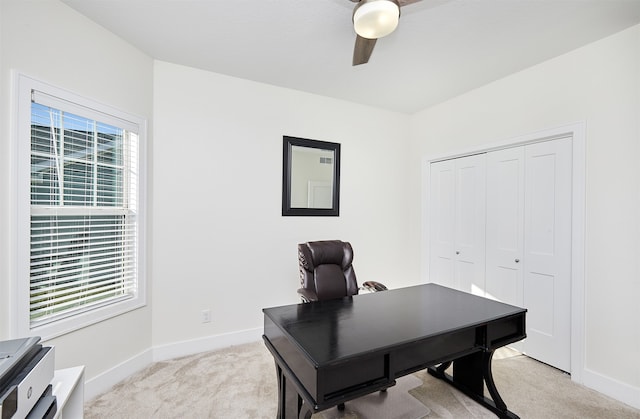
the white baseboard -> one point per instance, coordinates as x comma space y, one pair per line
208, 343
613, 388
104, 381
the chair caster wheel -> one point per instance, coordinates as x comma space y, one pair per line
341, 407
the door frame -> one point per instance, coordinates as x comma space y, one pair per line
577, 132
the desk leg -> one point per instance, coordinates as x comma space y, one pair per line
470, 374
290, 403
491, 385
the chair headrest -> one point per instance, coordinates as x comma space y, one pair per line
334, 252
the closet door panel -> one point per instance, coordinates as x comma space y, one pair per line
505, 225
469, 239
441, 215
547, 252
457, 223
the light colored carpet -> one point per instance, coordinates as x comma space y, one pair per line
240, 382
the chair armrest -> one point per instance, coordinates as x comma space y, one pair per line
374, 286
307, 295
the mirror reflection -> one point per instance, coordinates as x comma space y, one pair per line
310, 177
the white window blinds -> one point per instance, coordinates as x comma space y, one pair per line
83, 235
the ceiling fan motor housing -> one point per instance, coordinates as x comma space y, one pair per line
373, 19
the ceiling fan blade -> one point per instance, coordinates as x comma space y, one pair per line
362, 50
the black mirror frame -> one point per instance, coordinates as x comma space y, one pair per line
287, 210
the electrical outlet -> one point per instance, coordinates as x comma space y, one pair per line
206, 316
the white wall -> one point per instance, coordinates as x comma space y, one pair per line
598, 84
220, 241
50, 42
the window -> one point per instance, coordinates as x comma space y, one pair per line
84, 258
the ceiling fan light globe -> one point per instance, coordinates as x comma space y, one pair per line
373, 19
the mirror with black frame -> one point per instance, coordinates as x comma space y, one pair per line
310, 177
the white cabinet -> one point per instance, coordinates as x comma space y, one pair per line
68, 387
457, 227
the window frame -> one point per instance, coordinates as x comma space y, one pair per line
21, 135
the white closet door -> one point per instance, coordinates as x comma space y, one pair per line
521, 203
547, 252
470, 224
441, 216
457, 223
505, 225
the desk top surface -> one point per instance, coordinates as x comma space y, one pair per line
335, 329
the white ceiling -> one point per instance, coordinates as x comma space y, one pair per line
442, 48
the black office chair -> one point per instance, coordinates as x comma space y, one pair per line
326, 271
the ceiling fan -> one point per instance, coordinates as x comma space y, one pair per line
373, 19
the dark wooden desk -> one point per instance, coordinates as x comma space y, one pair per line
329, 352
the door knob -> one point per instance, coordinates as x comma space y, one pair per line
517, 260
457, 252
